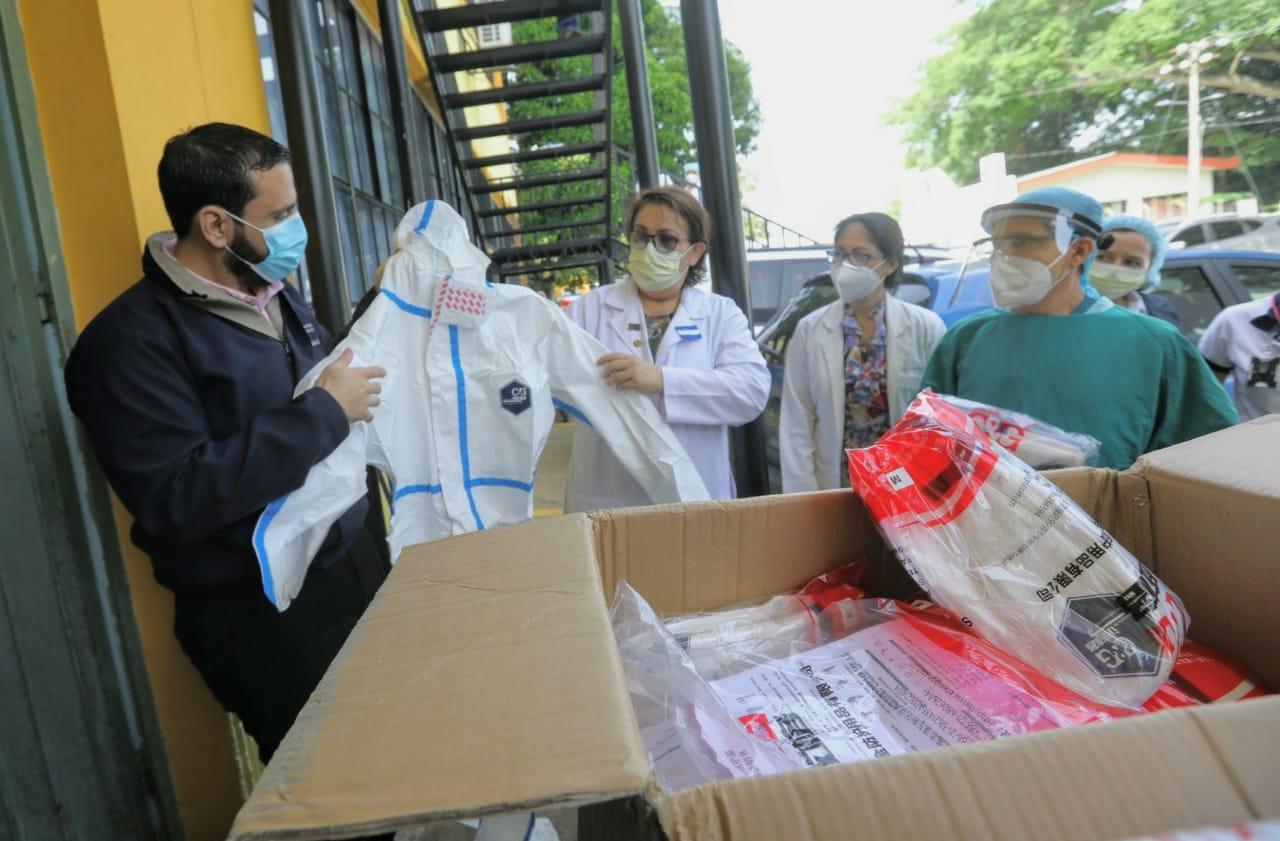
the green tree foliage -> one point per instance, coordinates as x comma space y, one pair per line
672, 109
1050, 81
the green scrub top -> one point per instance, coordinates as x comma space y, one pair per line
1129, 380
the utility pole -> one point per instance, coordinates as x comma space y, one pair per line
1194, 54
1194, 130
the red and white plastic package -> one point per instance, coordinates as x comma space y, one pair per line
827, 675
1041, 445
995, 542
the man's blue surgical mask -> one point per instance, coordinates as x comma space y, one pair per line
286, 241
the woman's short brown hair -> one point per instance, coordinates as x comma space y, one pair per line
694, 215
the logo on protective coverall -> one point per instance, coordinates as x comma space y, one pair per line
515, 397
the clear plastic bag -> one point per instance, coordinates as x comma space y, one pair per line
821, 677
1041, 445
997, 543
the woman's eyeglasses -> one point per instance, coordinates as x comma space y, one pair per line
663, 241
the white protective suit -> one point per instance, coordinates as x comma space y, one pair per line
475, 373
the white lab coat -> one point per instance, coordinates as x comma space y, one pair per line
474, 375
713, 377
811, 426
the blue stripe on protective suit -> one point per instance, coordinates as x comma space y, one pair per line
502, 483
259, 543
461, 380
412, 489
412, 309
426, 217
576, 414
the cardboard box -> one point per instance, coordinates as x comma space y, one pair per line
484, 677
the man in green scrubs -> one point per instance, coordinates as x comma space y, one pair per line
1053, 348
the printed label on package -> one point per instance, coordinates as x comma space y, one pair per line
882, 691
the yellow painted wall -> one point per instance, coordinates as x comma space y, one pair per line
114, 79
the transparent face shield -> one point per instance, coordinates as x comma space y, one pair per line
1037, 232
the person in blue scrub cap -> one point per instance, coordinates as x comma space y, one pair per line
1128, 269
1055, 349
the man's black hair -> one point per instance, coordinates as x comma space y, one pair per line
210, 164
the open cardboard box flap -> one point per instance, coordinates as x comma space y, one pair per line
484, 678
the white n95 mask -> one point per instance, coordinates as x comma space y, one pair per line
654, 271
1020, 281
1116, 281
854, 282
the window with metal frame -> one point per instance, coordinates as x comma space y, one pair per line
1260, 280
352, 79
1192, 296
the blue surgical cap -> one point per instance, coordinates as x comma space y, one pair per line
1085, 207
1159, 245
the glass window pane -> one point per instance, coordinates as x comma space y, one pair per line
370, 222
1226, 230
1260, 281
1189, 291
350, 242
380, 139
320, 32
347, 39
1191, 236
353, 126
335, 137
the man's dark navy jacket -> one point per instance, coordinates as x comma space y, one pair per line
193, 419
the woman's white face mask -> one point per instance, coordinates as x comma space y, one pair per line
1114, 281
654, 271
1021, 281
855, 282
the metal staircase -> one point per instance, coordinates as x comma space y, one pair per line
554, 212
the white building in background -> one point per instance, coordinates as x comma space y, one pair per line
936, 210
1151, 186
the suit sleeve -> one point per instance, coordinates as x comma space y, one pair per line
733, 392
627, 421
147, 425
1192, 401
798, 419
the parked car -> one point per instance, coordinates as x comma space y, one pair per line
1200, 282
1253, 233
776, 275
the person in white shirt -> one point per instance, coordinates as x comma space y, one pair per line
1244, 340
690, 351
852, 367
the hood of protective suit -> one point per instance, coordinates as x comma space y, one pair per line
435, 235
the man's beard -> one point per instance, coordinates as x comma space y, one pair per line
243, 248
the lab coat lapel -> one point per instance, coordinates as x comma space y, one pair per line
833, 356
626, 319
688, 324
895, 328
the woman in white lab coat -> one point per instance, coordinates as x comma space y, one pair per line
691, 351
854, 366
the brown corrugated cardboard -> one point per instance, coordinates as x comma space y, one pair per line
484, 677
1214, 503
1144, 775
